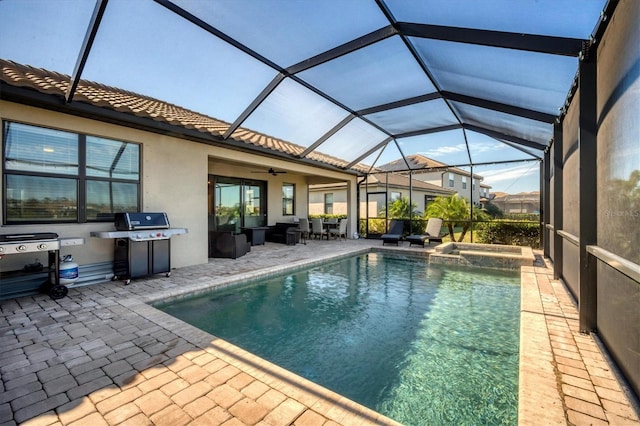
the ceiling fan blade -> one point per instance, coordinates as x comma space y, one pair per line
270, 171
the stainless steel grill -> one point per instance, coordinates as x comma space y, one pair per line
139, 221
142, 235
47, 242
28, 243
142, 244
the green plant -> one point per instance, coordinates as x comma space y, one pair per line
455, 211
493, 211
376, 226
327, 216
533, 217
401, 208
510, 233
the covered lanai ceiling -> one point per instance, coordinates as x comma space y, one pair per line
466, 82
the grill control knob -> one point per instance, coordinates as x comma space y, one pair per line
165, 234
1, 249
42, 246
139, 236
21, 247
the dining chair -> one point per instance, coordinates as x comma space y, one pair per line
317, 228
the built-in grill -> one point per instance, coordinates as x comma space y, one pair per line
39, 242
142, 244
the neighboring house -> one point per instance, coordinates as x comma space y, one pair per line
485, 191
378, 190
523, 202
442, 175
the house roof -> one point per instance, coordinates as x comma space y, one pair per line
134, 104
532, 197
402, 181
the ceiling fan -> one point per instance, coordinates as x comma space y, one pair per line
272, 171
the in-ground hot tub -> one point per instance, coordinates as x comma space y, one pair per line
482, 255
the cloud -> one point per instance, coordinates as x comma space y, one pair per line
522, 178
444, 150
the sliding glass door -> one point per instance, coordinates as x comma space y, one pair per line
236, 203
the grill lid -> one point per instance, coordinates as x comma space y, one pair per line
132, 221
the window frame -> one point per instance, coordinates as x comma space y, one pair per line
291, 200
328, 206
80, 178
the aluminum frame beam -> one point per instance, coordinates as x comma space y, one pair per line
500, 107
510, 138
343, 49
558, 201
587, 136
87, 43
564, 46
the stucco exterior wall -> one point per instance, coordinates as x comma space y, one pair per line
174, 177
442, 179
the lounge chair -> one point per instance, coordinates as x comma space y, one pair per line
340, 231
432, 233
394, 234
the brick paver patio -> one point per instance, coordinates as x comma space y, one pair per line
103, 356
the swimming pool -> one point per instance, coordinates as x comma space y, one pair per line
421, 344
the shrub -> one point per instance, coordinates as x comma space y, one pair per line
327, 216
510, 233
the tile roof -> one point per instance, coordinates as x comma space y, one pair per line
417, 161
533, 196
396, 179
126, 102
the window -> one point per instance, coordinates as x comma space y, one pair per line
427, 200
473, 184
464, 182
451, 180
57, 176
395, 195
288, 199
328, 203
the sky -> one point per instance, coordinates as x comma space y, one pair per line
186, 65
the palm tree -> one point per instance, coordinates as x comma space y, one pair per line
455, 211
401, 209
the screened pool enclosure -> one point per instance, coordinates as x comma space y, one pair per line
346, 86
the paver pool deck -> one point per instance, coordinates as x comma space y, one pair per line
104, 356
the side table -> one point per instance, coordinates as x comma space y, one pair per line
293, 236
256, 235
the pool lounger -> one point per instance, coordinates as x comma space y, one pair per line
420, 239
395, 233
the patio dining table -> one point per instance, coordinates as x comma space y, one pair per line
329, 225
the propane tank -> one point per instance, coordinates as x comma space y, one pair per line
68, 270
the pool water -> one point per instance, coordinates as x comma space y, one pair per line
422, 344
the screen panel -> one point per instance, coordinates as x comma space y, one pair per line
564, 18
362, 80
197, 70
